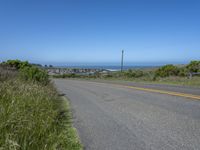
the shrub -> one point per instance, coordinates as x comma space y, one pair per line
108, 76
28, 72
133, 74
167, 70
17, 64
34, 74
138, 73
182, 72
193, 66
97, 75
128, 73
70, 75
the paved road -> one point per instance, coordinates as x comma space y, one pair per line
173, 88
110, 117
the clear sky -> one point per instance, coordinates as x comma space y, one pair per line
95, 31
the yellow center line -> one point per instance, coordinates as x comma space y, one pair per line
163, 92
186, 95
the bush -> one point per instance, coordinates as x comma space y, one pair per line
108, 76
28, 72
182, 72
34, 74
133, 74
128, 73
193, 66
17, 64
138, 73
167, 70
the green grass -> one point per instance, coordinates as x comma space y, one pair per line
34, 117
195, 81
183, 81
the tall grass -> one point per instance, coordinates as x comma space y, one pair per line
32, 117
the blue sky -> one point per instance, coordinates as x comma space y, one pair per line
73, 32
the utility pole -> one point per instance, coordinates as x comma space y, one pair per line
122, 60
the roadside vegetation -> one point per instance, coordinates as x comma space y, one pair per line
168, 74
32, 114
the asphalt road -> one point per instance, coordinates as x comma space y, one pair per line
112, 117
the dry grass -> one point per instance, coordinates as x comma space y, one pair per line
7, 72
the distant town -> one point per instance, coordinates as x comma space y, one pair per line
81, 71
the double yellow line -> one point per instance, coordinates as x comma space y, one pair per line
164, 92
